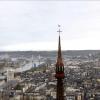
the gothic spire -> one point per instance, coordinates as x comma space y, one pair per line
59, 72
59, 59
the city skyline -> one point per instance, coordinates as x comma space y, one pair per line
32, 25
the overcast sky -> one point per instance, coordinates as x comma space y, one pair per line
31, 25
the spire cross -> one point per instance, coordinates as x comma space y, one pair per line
59, 31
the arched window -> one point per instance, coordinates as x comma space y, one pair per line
62, 68
57, 68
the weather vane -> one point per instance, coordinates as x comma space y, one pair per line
59, 31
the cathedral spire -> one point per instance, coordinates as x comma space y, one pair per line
59, 72
59, 59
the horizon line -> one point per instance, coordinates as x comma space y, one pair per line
48, 50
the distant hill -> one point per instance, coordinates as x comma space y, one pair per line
51, 53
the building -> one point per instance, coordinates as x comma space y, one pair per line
10, 74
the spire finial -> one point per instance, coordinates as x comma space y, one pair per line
59, 31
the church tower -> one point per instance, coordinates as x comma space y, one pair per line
59, 73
